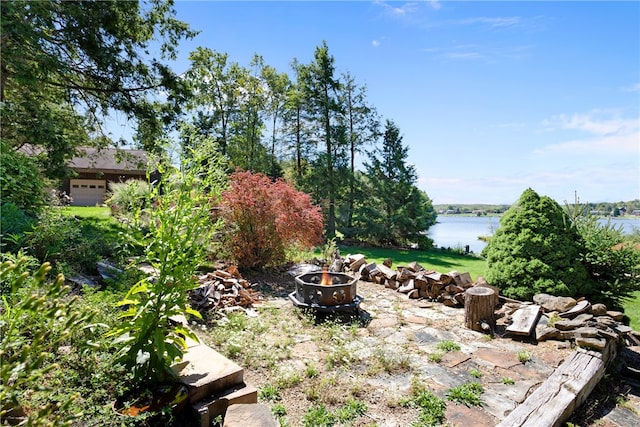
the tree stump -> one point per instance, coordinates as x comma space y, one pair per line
479, 305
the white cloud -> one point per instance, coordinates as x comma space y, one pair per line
605, 145
401, 11
592, 123
479, 52
375, 43
435, 5
606, 182
633, 88
499, 22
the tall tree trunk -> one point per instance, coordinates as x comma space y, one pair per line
298, 142
331, 214
352, 178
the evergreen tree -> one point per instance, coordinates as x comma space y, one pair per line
536, 249
320, 87
398, 213
362, 128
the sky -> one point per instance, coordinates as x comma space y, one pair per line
491, 98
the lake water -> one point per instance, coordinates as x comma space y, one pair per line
453, 231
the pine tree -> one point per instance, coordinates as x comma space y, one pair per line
398, 213
536, 250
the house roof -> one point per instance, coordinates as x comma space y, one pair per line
110, 159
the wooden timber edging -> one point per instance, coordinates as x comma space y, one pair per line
564, 391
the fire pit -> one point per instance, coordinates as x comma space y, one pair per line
326, 291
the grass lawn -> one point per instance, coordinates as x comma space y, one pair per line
632, 309
96, 220
88, 212
441, 261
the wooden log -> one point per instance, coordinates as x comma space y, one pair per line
413, 294
414, 266
405, 274
387, 272
407, 286
420, 284
479, 308
391, 284
356, 261
564, 391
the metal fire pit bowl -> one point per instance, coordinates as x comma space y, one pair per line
340, 295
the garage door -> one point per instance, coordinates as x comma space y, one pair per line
87, 192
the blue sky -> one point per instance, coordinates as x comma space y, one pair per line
491, 97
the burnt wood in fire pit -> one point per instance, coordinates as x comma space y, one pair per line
338, 294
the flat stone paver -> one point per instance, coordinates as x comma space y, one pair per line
207, 372
249, 415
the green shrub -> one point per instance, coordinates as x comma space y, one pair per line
352, 409
174, 229
14, 223
266, 218
467, 394
612, 261
318, 416
21, 265
42, 318
21, 182
448, 346
69, 244
432, 409
535, 250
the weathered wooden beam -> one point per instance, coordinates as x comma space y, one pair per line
564, 391
524, 320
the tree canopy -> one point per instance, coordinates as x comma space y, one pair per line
65, 65
68, 66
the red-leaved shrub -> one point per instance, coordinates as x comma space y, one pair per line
267, 217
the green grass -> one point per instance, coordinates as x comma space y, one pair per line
96, 221
435, 259
88, 212
632, 309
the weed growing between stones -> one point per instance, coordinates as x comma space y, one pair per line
436, 356
467, 394
475, 373
524, 356
448, 346
431, 408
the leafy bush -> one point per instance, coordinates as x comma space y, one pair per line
266, 218
536, 250
21, 182
467, 394
14, 223
69, 244
612, 261
42, 318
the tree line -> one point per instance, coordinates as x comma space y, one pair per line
68, 66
